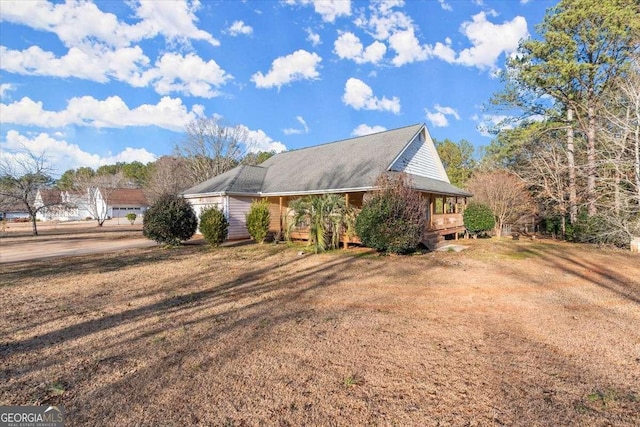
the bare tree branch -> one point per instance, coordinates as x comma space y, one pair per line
22, 174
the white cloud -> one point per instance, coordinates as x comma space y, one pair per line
173, 19
5, 88
328, 9
384, 21
300, 65
364, 129
90, 63
490, 40
312, 37
173, 72
168, 113
359, 95
438, 117
407, 48
187, 74
239, 27
78, 22
489, 122
64, 155
443, 51
297, 131
348, 46
444, 5
258, 140
524, 1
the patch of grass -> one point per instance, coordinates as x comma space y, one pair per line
520, 254
353, 380
603, 397
159, 339
56, 388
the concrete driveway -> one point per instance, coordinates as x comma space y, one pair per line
47, 248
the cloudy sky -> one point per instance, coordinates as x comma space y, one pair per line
92, 83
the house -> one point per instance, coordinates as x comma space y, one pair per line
350, 167
13, 212
79, 205
126, 200
56, 205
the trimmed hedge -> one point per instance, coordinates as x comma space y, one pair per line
171, 220
214, 226
258, 219
478, 218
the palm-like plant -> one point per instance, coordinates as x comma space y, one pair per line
326, 216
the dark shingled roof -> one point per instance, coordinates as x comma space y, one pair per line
241, 179
338, 166
128, 197
350, 163
431, 185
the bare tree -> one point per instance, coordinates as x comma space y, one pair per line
169, 175
211, 147
97, 193
505, 193
619, 159
21, 176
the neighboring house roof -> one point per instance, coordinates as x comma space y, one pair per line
50, 196
348, 165
128, 197
12, 208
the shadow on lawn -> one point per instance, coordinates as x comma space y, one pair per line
596, 273
253, 283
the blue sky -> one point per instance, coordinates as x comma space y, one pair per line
92, 83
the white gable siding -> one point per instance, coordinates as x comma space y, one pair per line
421, 158
238, 207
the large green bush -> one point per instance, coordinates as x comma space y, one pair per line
214, 226
170, 220
258, 219
393, 218
478, 218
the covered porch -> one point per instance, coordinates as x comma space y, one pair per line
444, 217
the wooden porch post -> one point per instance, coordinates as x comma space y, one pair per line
280, 214
346, 238
430, 211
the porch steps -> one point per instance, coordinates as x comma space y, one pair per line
433, 240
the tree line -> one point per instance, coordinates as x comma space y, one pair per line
568, 150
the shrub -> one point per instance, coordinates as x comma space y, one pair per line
170, 220
326, 217
131, 217
214, 226
258, 219
608, 228
478, 218
393, 218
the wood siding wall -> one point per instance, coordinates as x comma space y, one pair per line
237, 210
421, 158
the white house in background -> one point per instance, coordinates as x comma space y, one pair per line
61, 205
76, 205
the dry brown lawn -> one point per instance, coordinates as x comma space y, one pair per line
505, 333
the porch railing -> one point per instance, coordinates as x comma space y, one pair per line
445, 221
